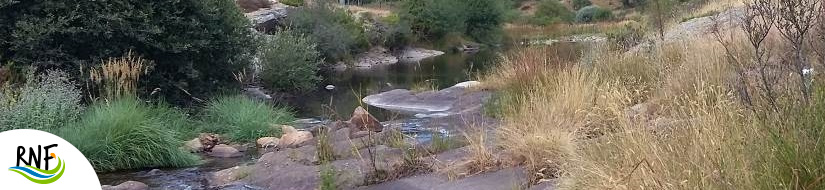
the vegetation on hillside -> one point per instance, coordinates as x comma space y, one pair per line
715, 112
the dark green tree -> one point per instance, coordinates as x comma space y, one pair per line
195, 45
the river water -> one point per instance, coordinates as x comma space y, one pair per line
350, 87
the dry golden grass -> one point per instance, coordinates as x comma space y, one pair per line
118, 77
526, 31
579, 123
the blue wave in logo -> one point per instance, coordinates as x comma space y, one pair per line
31, 172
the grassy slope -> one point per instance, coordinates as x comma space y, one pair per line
575, 123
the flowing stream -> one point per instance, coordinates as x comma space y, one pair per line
325, 105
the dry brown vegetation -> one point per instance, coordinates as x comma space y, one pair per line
674, 118
118, 77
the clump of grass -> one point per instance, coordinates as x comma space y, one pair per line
327, 177
127, 134
481, 158
243, 119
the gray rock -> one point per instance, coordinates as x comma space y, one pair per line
225, 151
510, 178
449, 101
377, 56
417, 54
275, 170
129, 185
267, 18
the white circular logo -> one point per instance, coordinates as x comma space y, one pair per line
40, 160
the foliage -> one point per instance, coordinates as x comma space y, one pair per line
196, 44
593, 13
578, 4
243, 119
294, 3
338, 34
484, 19
289, 62
550, 12
434, 18
46, 102
127, 134
478, 19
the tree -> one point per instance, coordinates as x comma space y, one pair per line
796, 18
196, 45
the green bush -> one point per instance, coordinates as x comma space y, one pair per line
338, 35
196, 45
243, 119
435, 18
127, 134
578, 4
289, 62
793, 153
478, 19
593, 13
46, 102
484, 20
551, 12
294, 3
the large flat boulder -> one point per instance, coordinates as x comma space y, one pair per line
510, 178
458, 99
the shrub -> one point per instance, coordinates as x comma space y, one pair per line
550, 12
46, 102
484, 20
578, 4
593, 13
434, 18
196, 44
337, 33
479, 19
289, 62
127, 134
243, 119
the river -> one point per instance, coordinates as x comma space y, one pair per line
350, 87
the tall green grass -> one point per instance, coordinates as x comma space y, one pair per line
243, 119
128, 134
792, 151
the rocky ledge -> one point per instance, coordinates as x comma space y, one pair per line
458, 99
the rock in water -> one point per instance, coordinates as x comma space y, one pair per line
225, 151
129, 185
363, 120
193, 146
208, 141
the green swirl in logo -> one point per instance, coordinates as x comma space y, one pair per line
41, 176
